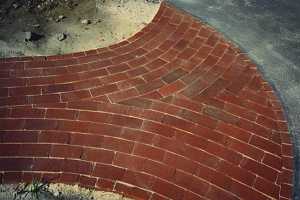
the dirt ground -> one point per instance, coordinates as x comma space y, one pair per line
59, 192
81, 24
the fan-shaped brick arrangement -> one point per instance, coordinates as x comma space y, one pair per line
174, 112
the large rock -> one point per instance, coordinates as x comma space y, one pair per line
31, 36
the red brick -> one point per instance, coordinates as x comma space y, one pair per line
36, 150
240, 111
286, 191
134, 163
148, 152
171, 88
287, 162
54, 137
56, 88
194, 88
187, 53
272, 161
49, 177
259, 169
224, 153
16, 164
267, 122
244, 148
87, 182
157, 73
158, 128
75, 95
122, 95
159, 169
247, 193
62, 114
219, 49
98, 155
77, 166
287, 150
27, 112
266, 111
132, 191
183, 179
108, 172
285, 176
209, 134
69, 178
12, 177
267, 187
180, 162
10, 150
266, 145
118, 68
104, 184
150, 86
254, 128
12, 124
133, 82
137, 135
19, 136
66, 151
220, 115
139, 179
86, 140
198, 186
117, 144
217, 193
48, 164
74, 126
233, 131
28, 177
137, 71
126, 121
169, 190
51, 98
237, 173
158, 197
40, 124
22, 91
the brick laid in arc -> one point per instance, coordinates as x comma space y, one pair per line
174, 112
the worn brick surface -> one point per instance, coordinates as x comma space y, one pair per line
174, 112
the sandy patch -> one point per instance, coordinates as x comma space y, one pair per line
111, 21
59, 192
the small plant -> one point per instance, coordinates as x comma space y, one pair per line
34, 189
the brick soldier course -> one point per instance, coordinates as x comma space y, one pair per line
174, 112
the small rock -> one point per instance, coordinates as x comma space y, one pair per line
36, 25
56, 193
153, 1
60, 18
86, 21
61, 36
98, 20
16, 5
28, 36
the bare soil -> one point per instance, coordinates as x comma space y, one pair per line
110, 21
59, 192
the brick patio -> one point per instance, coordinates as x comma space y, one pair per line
174, 112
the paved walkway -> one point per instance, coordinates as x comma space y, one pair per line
175, 112
269, 31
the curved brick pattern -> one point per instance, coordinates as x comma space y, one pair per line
174, 112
